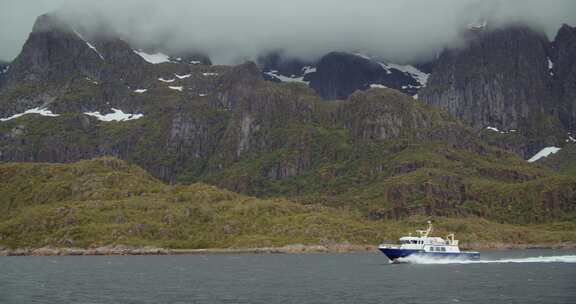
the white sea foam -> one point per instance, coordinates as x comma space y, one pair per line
540, 259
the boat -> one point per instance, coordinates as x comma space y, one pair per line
426, 246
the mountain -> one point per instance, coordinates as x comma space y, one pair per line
511, 84
503, 82
337, 75
377, 153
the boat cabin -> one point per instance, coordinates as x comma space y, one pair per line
427, 243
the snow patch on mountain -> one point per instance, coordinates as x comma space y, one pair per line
116, 115
494, 129
91, 80
210, 74
166, 80
308, 70
420, 76
293, 78
550, 66
183, 76
153, 58
386, 68
363, 56
477, 25
40, 111
141, 91
89, 45
176, 88
544, 153
378, 86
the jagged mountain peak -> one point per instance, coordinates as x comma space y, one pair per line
50, 22
566, 29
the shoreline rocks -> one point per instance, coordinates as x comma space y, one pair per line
120, 250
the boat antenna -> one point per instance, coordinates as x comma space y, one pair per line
425, 233
429, 230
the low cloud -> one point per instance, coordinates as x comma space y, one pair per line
234, 30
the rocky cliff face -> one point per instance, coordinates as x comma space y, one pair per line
4, 67
57, 59
341, 74
564, 73
503, 79
498, 79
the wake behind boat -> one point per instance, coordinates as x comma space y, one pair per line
428, 247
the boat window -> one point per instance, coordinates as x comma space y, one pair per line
443, 248
431, 248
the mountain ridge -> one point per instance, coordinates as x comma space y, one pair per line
378, 152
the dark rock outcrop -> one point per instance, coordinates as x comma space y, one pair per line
341, 74
564, 72
193, 58
4, 67
278, 63
502, 79
337, 75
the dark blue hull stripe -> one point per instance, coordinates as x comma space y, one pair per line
394, 254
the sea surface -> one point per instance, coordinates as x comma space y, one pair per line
529, 276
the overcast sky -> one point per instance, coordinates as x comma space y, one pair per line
233, 30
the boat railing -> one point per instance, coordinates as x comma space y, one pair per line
389, 246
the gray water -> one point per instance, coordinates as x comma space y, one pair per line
531, 276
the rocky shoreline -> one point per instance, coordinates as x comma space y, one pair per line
119, 250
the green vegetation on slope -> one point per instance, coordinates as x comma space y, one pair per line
106, 202
564, 161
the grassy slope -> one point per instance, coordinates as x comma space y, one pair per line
391, 179
564, 161
105, 201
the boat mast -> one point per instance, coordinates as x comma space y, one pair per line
426, 233
429, 230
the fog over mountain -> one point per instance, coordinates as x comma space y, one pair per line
234, 30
